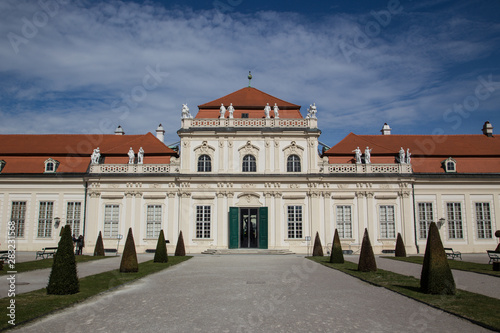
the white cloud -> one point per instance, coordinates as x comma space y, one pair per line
71, 75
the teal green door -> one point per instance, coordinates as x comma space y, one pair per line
233, 228
263, 228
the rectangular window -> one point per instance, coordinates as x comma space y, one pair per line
425, 217
344, 221
153, 221
73, 216
294, 221
18, 216
45, 215
387, 223
203, 217
483, 220
454, 210
111, 219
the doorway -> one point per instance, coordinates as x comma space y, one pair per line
249, 228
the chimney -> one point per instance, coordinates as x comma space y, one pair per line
386, 130
488, 129
119, 131
160, 133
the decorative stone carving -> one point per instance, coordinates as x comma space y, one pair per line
140, 156
267, 111
155, 185
357, 155
185, 112
96, 155
222, 111
408, 156
294, 186
94, 194
293, 149
368, 155
311, 111
342, 186
276, 111
369, 194
171, 194
248, 185
131, 156
402, 156
230, 109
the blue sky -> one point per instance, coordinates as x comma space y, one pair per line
423, 67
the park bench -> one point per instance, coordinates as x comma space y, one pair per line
388, 251
46, 252
115, 251
452, 254
494, 256
4, 255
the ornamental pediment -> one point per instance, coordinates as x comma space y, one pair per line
204, 148
248, 148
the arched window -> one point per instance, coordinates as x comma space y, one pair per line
49, 167
450, 166
204, 163
249, 164
293, 163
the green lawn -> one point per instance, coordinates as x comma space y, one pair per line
41, 264
37, 303
454, 264
480, 309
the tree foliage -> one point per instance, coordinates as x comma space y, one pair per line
400, 247
129, 262
63, 279
436, 276
161, 249
99, 246
367, 261
337, 256
180, 250
317, 248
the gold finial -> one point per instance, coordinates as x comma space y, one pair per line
249, 78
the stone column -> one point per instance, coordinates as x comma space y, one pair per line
221, 239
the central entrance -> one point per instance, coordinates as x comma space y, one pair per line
249, 228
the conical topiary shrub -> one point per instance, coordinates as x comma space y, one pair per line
337, 256
161, 249
180, 250
317, 248
367, 261
63, 279
129, 262
61, 232
497, 234
400, 247
436, 276
99, 246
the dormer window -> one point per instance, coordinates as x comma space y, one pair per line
2, 164
244, 115
450, 165
51, 165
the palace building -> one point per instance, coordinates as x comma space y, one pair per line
248, 174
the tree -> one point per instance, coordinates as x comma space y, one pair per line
497, 234
317, 248
180, 250
400, 247
436, 276
63, 279
99, 246
337, 256
129, 262
367, 261
161, 249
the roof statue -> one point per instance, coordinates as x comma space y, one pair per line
367, 155
130, 156
230, 109
402, 156
222, 111
357, 155
311, 112
276, 111
185, 112
267, 110
408, 154
96, 155
140, 156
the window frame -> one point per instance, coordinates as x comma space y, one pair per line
425, 217
295, 222
113, 222
293, 165
249, 161
483, 220
154, 220
204, 165
74, 216
455, 220
203, 221
387, 226
18, 216
45, 219
342, 222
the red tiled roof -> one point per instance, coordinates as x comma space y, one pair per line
473, 153
27, 153
249, 100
